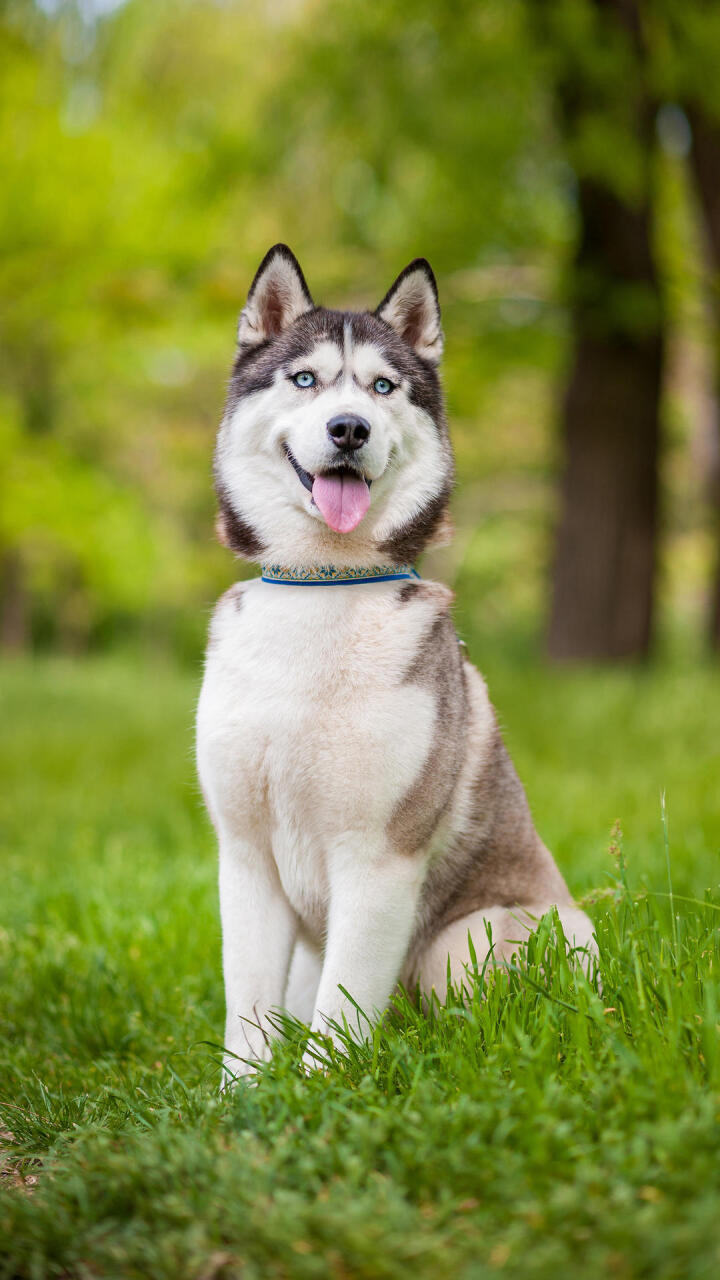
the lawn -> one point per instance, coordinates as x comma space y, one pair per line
531, 1128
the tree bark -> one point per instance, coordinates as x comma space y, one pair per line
602, 601
604, 567
705, 164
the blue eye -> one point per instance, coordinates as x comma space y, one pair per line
383, 386
304, 379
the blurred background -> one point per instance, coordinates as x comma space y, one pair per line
559, 164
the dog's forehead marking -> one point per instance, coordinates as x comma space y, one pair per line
347, 343
324, 359
368, 362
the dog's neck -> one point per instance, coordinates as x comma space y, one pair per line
333, 575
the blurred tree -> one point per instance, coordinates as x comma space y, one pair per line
417, 130
705, 160
613, 62
688, 57
123, 166
603, 582
70, 523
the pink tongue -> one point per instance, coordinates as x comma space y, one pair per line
342, 500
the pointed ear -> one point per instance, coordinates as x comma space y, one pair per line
411, 308
278, 295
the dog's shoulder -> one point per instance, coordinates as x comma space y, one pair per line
433, 594
422, 611
435, 663
425, 612
226, 613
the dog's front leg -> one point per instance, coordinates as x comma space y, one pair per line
258, 932
374, 895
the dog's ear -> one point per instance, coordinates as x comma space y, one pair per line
411, 308
278, 295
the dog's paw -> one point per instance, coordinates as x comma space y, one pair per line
235, 1073
315, 1061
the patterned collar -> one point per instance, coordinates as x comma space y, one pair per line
333, 575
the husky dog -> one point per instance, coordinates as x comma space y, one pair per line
368, 815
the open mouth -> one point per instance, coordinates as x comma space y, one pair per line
341, 495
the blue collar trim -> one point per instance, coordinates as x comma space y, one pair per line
332, 575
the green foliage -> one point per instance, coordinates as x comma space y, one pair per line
528, 1129
426, 127
120, 300
151, 155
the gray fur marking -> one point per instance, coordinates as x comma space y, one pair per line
497, 860
437, 666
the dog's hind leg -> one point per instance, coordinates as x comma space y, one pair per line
509, 929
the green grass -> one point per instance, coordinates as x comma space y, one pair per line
536, 1130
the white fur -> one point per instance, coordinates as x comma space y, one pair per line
411, 308
276, 299
498, 934
307, 736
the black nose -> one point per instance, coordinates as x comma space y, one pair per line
348, 430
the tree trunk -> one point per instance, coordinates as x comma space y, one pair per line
604, 569
605, 556
705, 162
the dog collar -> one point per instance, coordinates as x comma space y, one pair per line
333, 575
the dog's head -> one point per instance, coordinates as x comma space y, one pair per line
334, 445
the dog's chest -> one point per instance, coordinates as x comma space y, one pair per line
308, 729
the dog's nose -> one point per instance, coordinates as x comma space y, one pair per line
348, 430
